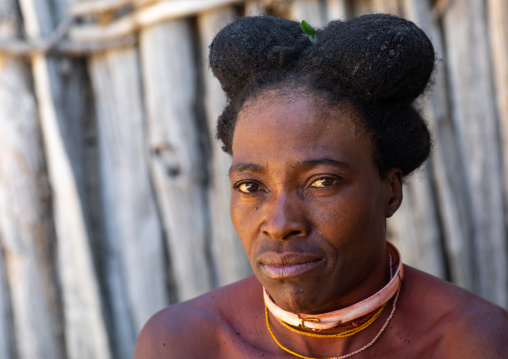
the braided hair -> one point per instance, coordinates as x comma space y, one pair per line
377, 63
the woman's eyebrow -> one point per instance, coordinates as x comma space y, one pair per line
242, 167
321, 161
251, 167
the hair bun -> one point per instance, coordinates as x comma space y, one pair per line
376, 57
252, 45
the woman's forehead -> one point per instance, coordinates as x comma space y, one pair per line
275, 130
279, 114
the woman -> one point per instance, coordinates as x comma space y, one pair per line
323, 130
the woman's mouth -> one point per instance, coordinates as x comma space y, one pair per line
287, 265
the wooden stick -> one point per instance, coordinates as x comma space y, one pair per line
475, 117
30, 308
445, 162
415, 226
176, 162
498, 33
336, 9
309, 10
135, 264
230, 261
94, 38
144, 17
84, 323
97, 7
6, 325
70, 48
254, 7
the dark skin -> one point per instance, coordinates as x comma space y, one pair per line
310, 208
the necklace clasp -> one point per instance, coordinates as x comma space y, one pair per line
303, 320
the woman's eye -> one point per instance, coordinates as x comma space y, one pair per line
324, 182
248, 187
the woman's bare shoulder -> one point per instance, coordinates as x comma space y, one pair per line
461, 324
203, 325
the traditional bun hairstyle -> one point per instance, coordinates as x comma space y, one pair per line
377, 63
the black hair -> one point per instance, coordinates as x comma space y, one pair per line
377, 63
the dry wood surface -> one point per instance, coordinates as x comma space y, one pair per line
114, 196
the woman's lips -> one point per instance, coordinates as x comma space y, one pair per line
286, 265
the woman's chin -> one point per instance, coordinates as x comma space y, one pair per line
297, 299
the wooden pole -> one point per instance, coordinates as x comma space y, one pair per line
60, 108
64, 47
387, 7
336, 9
230, 261
6, 325
29, 298
26, 231
7, 345
475, 117
309, 10
253, 8
135, 264
360, 7
448, 172
178, 167
146, 16
498, 34
415, 227
98, 6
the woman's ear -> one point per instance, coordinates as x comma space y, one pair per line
393, 191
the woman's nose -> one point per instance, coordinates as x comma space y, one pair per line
284, 218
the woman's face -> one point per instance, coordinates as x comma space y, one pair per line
308, 202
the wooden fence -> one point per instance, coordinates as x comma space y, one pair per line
113, 190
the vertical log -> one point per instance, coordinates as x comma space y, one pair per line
230, 261
474, 115
178, 168
253, 8
58, 83
447, 168
498, 35
26, 232
360, 7
135, 267
6, 327
29, 306
415, 226
336, 9
309, 10
387, 6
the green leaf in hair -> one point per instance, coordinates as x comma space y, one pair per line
308, 31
